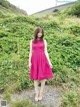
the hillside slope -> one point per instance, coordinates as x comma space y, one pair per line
7, 9
73, 10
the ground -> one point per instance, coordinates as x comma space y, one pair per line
51, 97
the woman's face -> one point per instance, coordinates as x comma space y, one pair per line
39, 34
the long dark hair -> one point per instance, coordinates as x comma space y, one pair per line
37, 30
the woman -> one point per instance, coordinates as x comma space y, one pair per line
39, 62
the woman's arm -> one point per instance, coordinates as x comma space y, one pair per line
30, 53
46, 52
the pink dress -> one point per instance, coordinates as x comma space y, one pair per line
40, 68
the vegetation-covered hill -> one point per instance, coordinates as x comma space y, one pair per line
63, 38
73, 10
7, 9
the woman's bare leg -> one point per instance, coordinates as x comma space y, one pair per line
42, 88
36, 89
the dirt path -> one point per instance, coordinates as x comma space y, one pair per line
51, 98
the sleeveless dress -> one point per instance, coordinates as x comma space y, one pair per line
40, 68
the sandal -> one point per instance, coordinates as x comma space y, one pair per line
36, 98
40, 97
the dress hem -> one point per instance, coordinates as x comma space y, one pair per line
43, 78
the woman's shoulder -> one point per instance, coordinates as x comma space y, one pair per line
31, 40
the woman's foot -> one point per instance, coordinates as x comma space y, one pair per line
36, 97
40, 96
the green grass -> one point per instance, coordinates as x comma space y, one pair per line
7, 9
23, 103
71, 98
